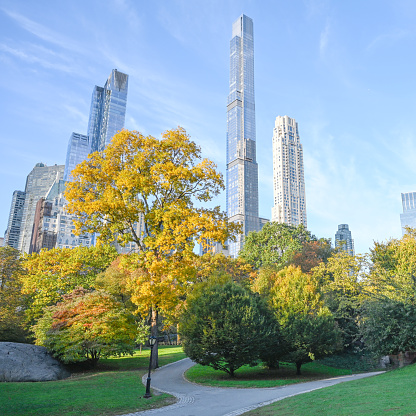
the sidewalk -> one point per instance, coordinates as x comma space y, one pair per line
197, 400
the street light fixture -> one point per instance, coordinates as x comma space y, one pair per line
152, 342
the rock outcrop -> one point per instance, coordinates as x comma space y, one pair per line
26, 362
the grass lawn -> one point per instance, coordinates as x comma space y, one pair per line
113, 388
259, 376
391, 393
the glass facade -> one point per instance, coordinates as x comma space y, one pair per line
12, 234
108, 110
78, 149
408, 218
242, 170
288, 174
343, 239
38, 183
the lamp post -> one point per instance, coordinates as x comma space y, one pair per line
152, 342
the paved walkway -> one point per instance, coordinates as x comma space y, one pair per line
197, 400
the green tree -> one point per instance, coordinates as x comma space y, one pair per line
388, 326
51, 274
12, 302
85, 326
388, 315
222, 325
341, 280
308, 327
156, 183
275, 245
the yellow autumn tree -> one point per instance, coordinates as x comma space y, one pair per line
156, 183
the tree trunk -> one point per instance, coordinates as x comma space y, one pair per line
178, 338
298, 365
154, 333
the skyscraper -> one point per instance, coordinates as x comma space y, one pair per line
242, 170
288, 174
408, 218
38, 183
78, 149
343, 239
12, 234
108, 110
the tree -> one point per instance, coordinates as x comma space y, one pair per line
388, 315
237, 269
275, 245
12, 302
85, 326
51, 274
341, 280
156, 183
307, 326
312, 254
222, 324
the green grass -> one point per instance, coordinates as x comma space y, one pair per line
114, 388
259, 376
391, 393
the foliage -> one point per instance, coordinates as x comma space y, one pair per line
275, 245
341, 283
51, 274
86, 326
389, 312
388, 326
308, 327
114, 280
12, 302
312, 254
155, 183
226, 326
237, 269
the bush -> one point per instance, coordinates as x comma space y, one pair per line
226, 326
86, 326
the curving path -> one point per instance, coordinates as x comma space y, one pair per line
197, 400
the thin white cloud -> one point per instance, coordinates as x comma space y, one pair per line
32, 58
387, 39
324, 39
43, 32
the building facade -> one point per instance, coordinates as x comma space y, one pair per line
108, 110
408, 218
77, 152
343, 239
38, 183
288, 174
53, 225
14, 225
242, 170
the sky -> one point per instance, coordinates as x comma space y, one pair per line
345, 70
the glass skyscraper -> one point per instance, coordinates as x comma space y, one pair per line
408, 218
78, 149
343, 239
242, 170
12, 234
108, 110
288, 174
38, 184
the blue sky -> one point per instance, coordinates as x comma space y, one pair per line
344, 70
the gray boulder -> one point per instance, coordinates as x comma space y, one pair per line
25, 362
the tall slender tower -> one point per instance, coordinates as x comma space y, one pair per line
288, 174
108, 110
242, 170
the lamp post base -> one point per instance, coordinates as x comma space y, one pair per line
147, 395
